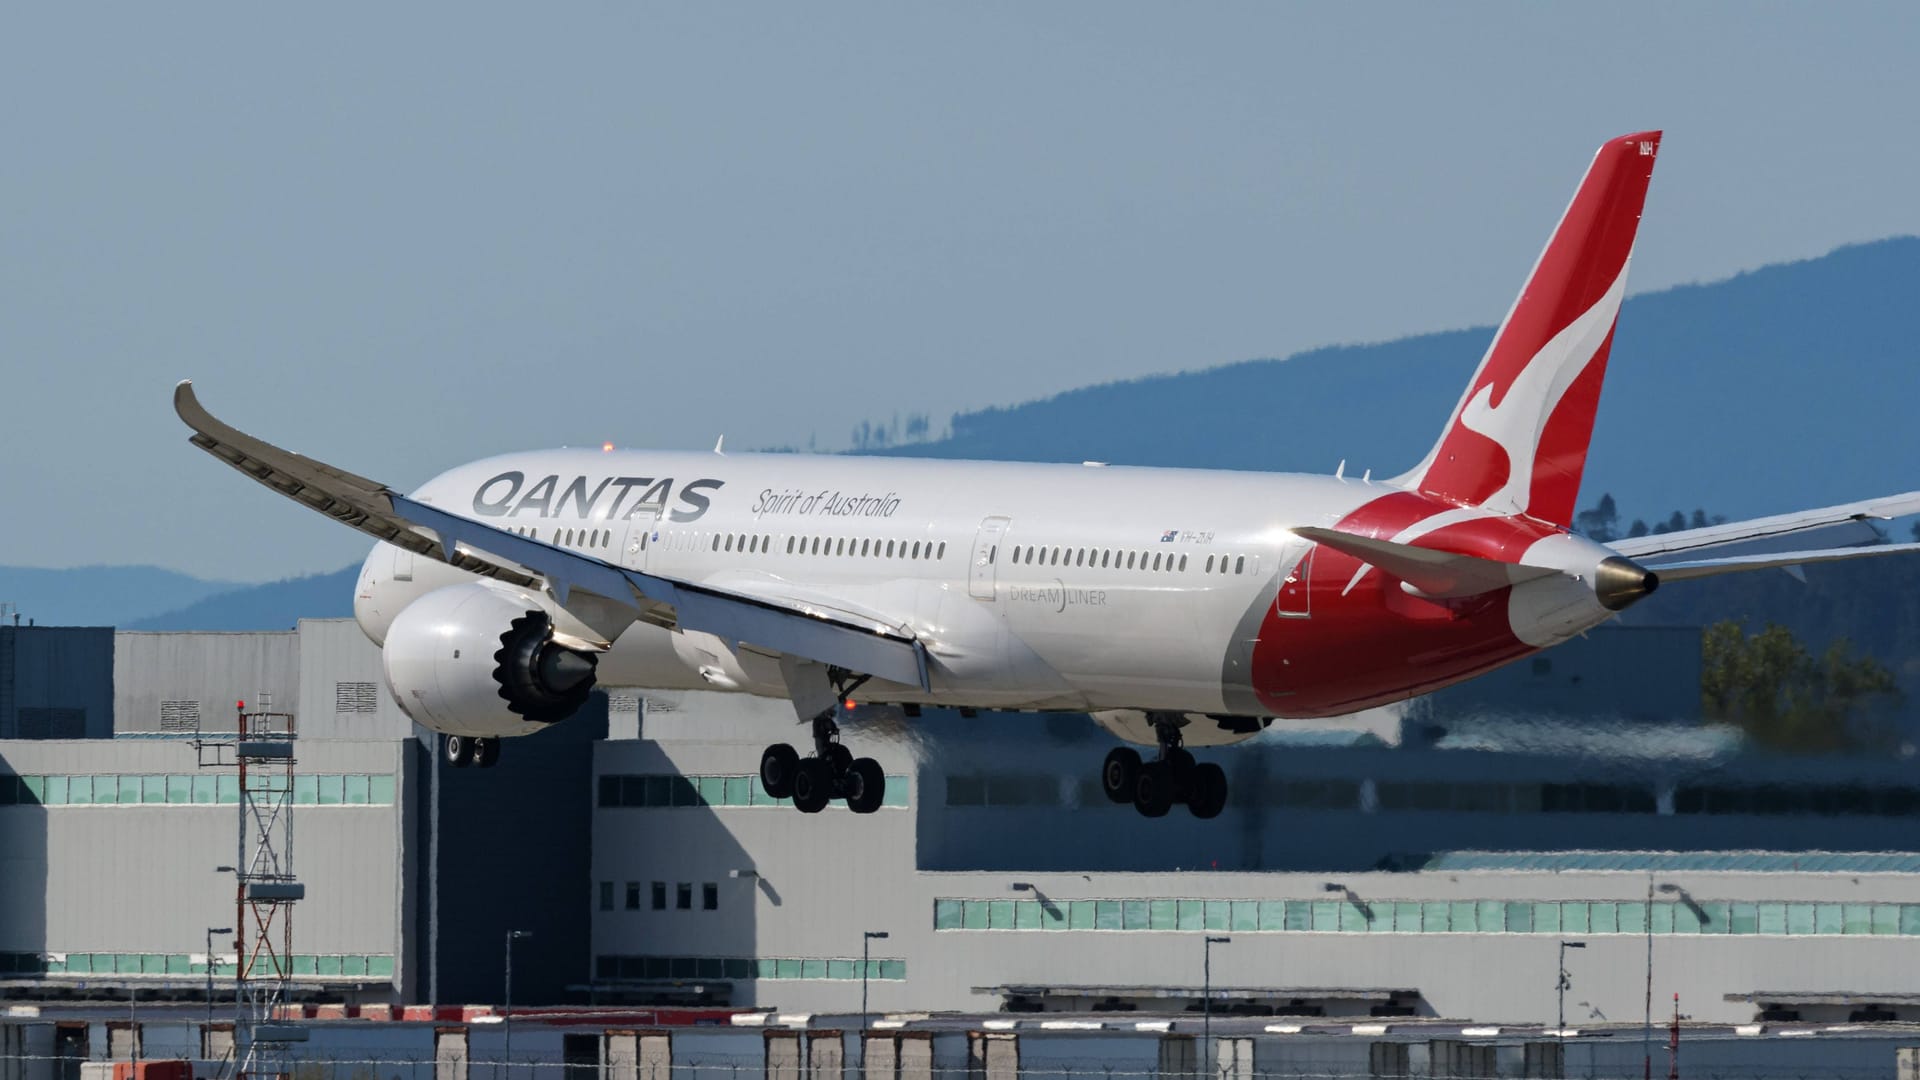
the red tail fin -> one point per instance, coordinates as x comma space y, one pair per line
1517, 442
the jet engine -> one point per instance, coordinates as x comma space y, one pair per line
481, 660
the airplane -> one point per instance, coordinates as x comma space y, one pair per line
1178, 608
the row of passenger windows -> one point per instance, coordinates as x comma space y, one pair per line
1122, 559
195, 789
1435, 916
741, 967
570, 538
841, 546
661, 790
323, 965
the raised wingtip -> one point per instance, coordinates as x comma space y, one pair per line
186, 405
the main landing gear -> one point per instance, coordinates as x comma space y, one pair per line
1173, 776
460, 751
831, 773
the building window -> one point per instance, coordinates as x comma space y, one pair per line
710, 896
606, 896
683, 896
659, 896
633, 896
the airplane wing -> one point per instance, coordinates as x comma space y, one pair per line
1438, 574
837, 637
1840, 525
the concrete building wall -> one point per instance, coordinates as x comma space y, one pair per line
56, 682
343, 689
135, 875
165, 680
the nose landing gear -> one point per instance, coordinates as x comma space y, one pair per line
1172, 777
831, 773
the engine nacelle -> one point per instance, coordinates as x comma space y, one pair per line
1200, 729
479, 660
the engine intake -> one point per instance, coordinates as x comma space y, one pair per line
480, 660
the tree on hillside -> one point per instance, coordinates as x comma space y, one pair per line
1784, 698
1598, 523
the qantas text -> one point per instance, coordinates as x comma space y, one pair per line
508, 495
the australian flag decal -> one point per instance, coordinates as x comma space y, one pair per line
1169, 536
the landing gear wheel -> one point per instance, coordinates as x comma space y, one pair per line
486, 753
1180, 762
865, 785
778, 764
458, 751
1207, 790
812, 786
1153, 791
839, 757
1120, 774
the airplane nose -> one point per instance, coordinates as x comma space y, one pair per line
1619, 583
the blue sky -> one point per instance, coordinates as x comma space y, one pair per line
401, 236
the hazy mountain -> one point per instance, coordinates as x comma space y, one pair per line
100, 595
1793, 385
276, 605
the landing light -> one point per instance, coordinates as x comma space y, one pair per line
606, 447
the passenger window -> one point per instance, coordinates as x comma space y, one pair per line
889, 549
1209, 564
916, 549
766, 542
943, 550
863, 547
840, 546
1106, 557
1016, 553
1156, 560
716, 541
1129, 560
1240, 565
789, 545
1183, 564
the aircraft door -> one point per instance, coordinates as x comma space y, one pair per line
982, 568
643, 534
1294, 599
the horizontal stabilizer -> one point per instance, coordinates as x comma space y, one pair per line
1856, 514
1437, 574
1700, 568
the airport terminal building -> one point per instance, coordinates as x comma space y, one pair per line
1444, 863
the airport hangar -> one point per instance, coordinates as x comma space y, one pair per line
1355, 878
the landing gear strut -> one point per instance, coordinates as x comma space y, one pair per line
460, 751
831, 772
1173, 776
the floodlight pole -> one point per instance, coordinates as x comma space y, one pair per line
867, 938
1560, 1029
1206, 996
506, 1018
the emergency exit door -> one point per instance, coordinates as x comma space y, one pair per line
982, 568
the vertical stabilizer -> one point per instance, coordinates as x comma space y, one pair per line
1517, 441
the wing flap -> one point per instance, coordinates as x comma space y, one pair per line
1437, 574
864, 645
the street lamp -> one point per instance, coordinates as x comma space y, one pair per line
867, 938
1646, 1038
1561, 1030
1206, 996
212, 930
507, 1017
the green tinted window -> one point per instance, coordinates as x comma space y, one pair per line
1026, 914
1717, 917
1856, 919
947, 914
1800, 918
737, 791
713, 790
153, 789
841, 969
813, 969
1826, 918
1633, 918
228, 788
1106, 915
1081, 915
1164, 915
305, 964
1273, 914
205, 789
893, 969
1299, 915
682, 791
180, 789
1246, 915
36, 788
1000, 915
1406, 916
179, 964
896, 794
1490, 916
130, 787
1546, 917
1193, 914
1773, 918
1218, 914
1053, 916
1603, 917
1433, 916
1663, 917
1743, 918
1575, 917
332, 790
126, 963
380, 789
1326, 914
357, 785
1134, 915
59, 791
1886, 918
975, 916
357, 965
1519, 917
1354, 919
380, 967
80, 790
1462, 916
1686, 918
